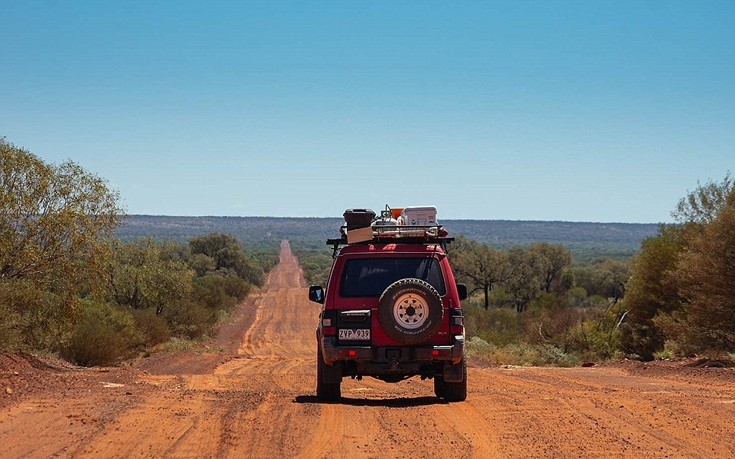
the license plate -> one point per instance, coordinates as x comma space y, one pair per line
360, 334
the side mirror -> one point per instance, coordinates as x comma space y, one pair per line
316, 294
462, 291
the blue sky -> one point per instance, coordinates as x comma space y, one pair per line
579, 111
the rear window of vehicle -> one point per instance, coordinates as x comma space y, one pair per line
370, 276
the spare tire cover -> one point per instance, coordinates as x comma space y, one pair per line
410, 311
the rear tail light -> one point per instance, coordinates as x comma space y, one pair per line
456, 322
329, 322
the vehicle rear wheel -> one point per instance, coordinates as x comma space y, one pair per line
328, 392
456, 391
410, 311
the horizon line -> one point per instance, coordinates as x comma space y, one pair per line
444, 219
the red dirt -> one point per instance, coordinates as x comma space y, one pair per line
252, 395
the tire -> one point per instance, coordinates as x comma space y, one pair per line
410, 311
439, 387
456, 391
328, 392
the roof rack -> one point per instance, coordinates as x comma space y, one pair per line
404, 234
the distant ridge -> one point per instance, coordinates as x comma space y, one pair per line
586, 240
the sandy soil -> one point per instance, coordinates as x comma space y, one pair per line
252, 395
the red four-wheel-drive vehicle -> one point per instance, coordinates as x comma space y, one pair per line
391, 308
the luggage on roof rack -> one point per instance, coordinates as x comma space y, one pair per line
405, 225
358, 218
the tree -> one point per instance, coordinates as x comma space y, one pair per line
555, 260
706, 275
652, 289
228, 255
679, 283
142, 276
55, 222
702, 205
482, 265
605, 277
526, 278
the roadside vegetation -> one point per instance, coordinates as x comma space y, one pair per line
681, 296
675, 298
315, 258
68, 287
532, 305
541, 304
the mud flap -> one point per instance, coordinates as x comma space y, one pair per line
332, 374
453, 373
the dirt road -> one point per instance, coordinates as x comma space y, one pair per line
255, 398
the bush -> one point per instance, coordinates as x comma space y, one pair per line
154, 328
598, 338
552, 355
497, 326
535, 355
549, 332
190, 319
104, 335
202, 264
209, 291
34, 319
577, 296
478, 346
236, 288
215, 291
11, 338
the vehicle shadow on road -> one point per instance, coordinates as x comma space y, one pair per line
401, 402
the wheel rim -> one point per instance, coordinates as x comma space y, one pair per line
410, 311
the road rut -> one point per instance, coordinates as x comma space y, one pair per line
259, 401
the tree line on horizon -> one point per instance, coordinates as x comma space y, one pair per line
586, 241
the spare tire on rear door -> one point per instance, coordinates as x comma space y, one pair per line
410, 311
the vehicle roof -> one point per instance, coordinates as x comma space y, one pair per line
392, 247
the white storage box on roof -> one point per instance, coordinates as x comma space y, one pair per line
419, 216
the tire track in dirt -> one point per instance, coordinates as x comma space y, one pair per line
259, 402
479, 434
240, 405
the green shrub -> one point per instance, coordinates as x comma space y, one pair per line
577, 296
104, 335
209, 291
597, 339
516, 354
153, 327
190, 319
220, 292
202, 264
552, 355
683, 339
11, 323
528, 354
478, 346
35, 319
497, 326
236, 288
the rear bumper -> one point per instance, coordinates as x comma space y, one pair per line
391, 355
